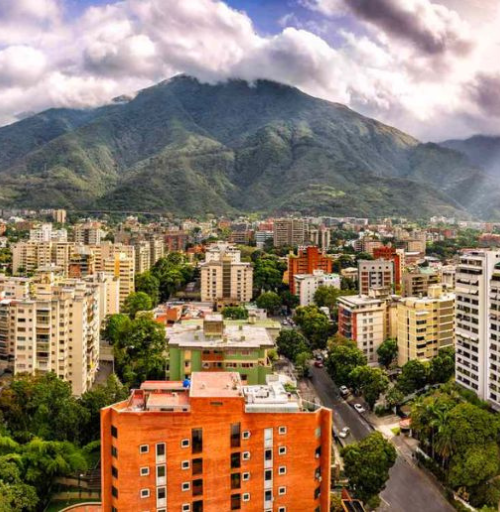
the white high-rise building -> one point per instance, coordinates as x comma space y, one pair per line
476, 294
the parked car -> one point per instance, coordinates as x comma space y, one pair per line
359, 408
344, 432
344, 390
318, 364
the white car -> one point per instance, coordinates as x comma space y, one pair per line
344, 432
344, 390
359, 408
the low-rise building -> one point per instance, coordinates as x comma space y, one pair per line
307, 284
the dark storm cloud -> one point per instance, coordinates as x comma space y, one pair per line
485, 91
431, 28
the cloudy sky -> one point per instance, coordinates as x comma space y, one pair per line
429, 67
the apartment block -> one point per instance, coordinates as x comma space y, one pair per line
416, 284
30, 255
156, 248
397, 256
364, 319
121, 266
375, 274
224, 277
289, 232
88, 233
305, 285
320, 237
219, 347
307, 261
214, 444
425, 325
474, 341
46, 233
142, 251
262, 236
48, 325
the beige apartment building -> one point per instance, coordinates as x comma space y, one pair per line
88, 233
375, 275
121, 266
142, 256
417, 283
425, 324
49, 325
290, 232
224, 277
30, 255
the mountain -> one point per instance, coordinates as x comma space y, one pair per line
192, 148
481, 150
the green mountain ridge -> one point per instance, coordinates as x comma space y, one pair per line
192, 148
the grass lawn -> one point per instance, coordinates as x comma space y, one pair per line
56, 506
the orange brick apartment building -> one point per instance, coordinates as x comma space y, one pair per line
216, 446
309, 259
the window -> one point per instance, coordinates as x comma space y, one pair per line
144, 493
245, 476
235, 435
114, 452
246, 434
246, 455
161, 471
236, 460
144, 448
185, 464
282, 430
282, 470
317, 492
114, 431
268, 495
114, 492
246, 497
160, 450
186, 507
268, 455
268, 474
281, 490
197, 487
235, 481
197, 440
235, 501
161, 493
282, 450
185, 443
281, 509
144, 471
114, 471
186, 486
198, 506
197, 466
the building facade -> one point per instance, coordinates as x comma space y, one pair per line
375, 274
289, 232
425, 325
307, 261
306, 285
215, 446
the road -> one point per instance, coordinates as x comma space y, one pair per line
409, 489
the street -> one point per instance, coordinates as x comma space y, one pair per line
409, 489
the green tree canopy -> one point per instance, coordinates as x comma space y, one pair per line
371, 382
270, 301
290, 343
342, 359
235, 312
149, 284
387, 352
314, 324
442, 367
135, 302
367, 464
414, 376
116, 326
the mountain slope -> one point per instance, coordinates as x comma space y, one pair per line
195, 148
481, 150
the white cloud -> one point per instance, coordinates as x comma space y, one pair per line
429, 80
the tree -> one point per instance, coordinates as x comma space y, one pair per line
327, 296
18, 496
336, 503
475, 466
290, 343
367, 464
314, 324
149, 284
342, 360
394, 397
302, 362
140, 355
270, 301
371, 382
268, 274
387, 352
442, 367
116, 326
289, 300
414, 376
235, 312
135, 302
